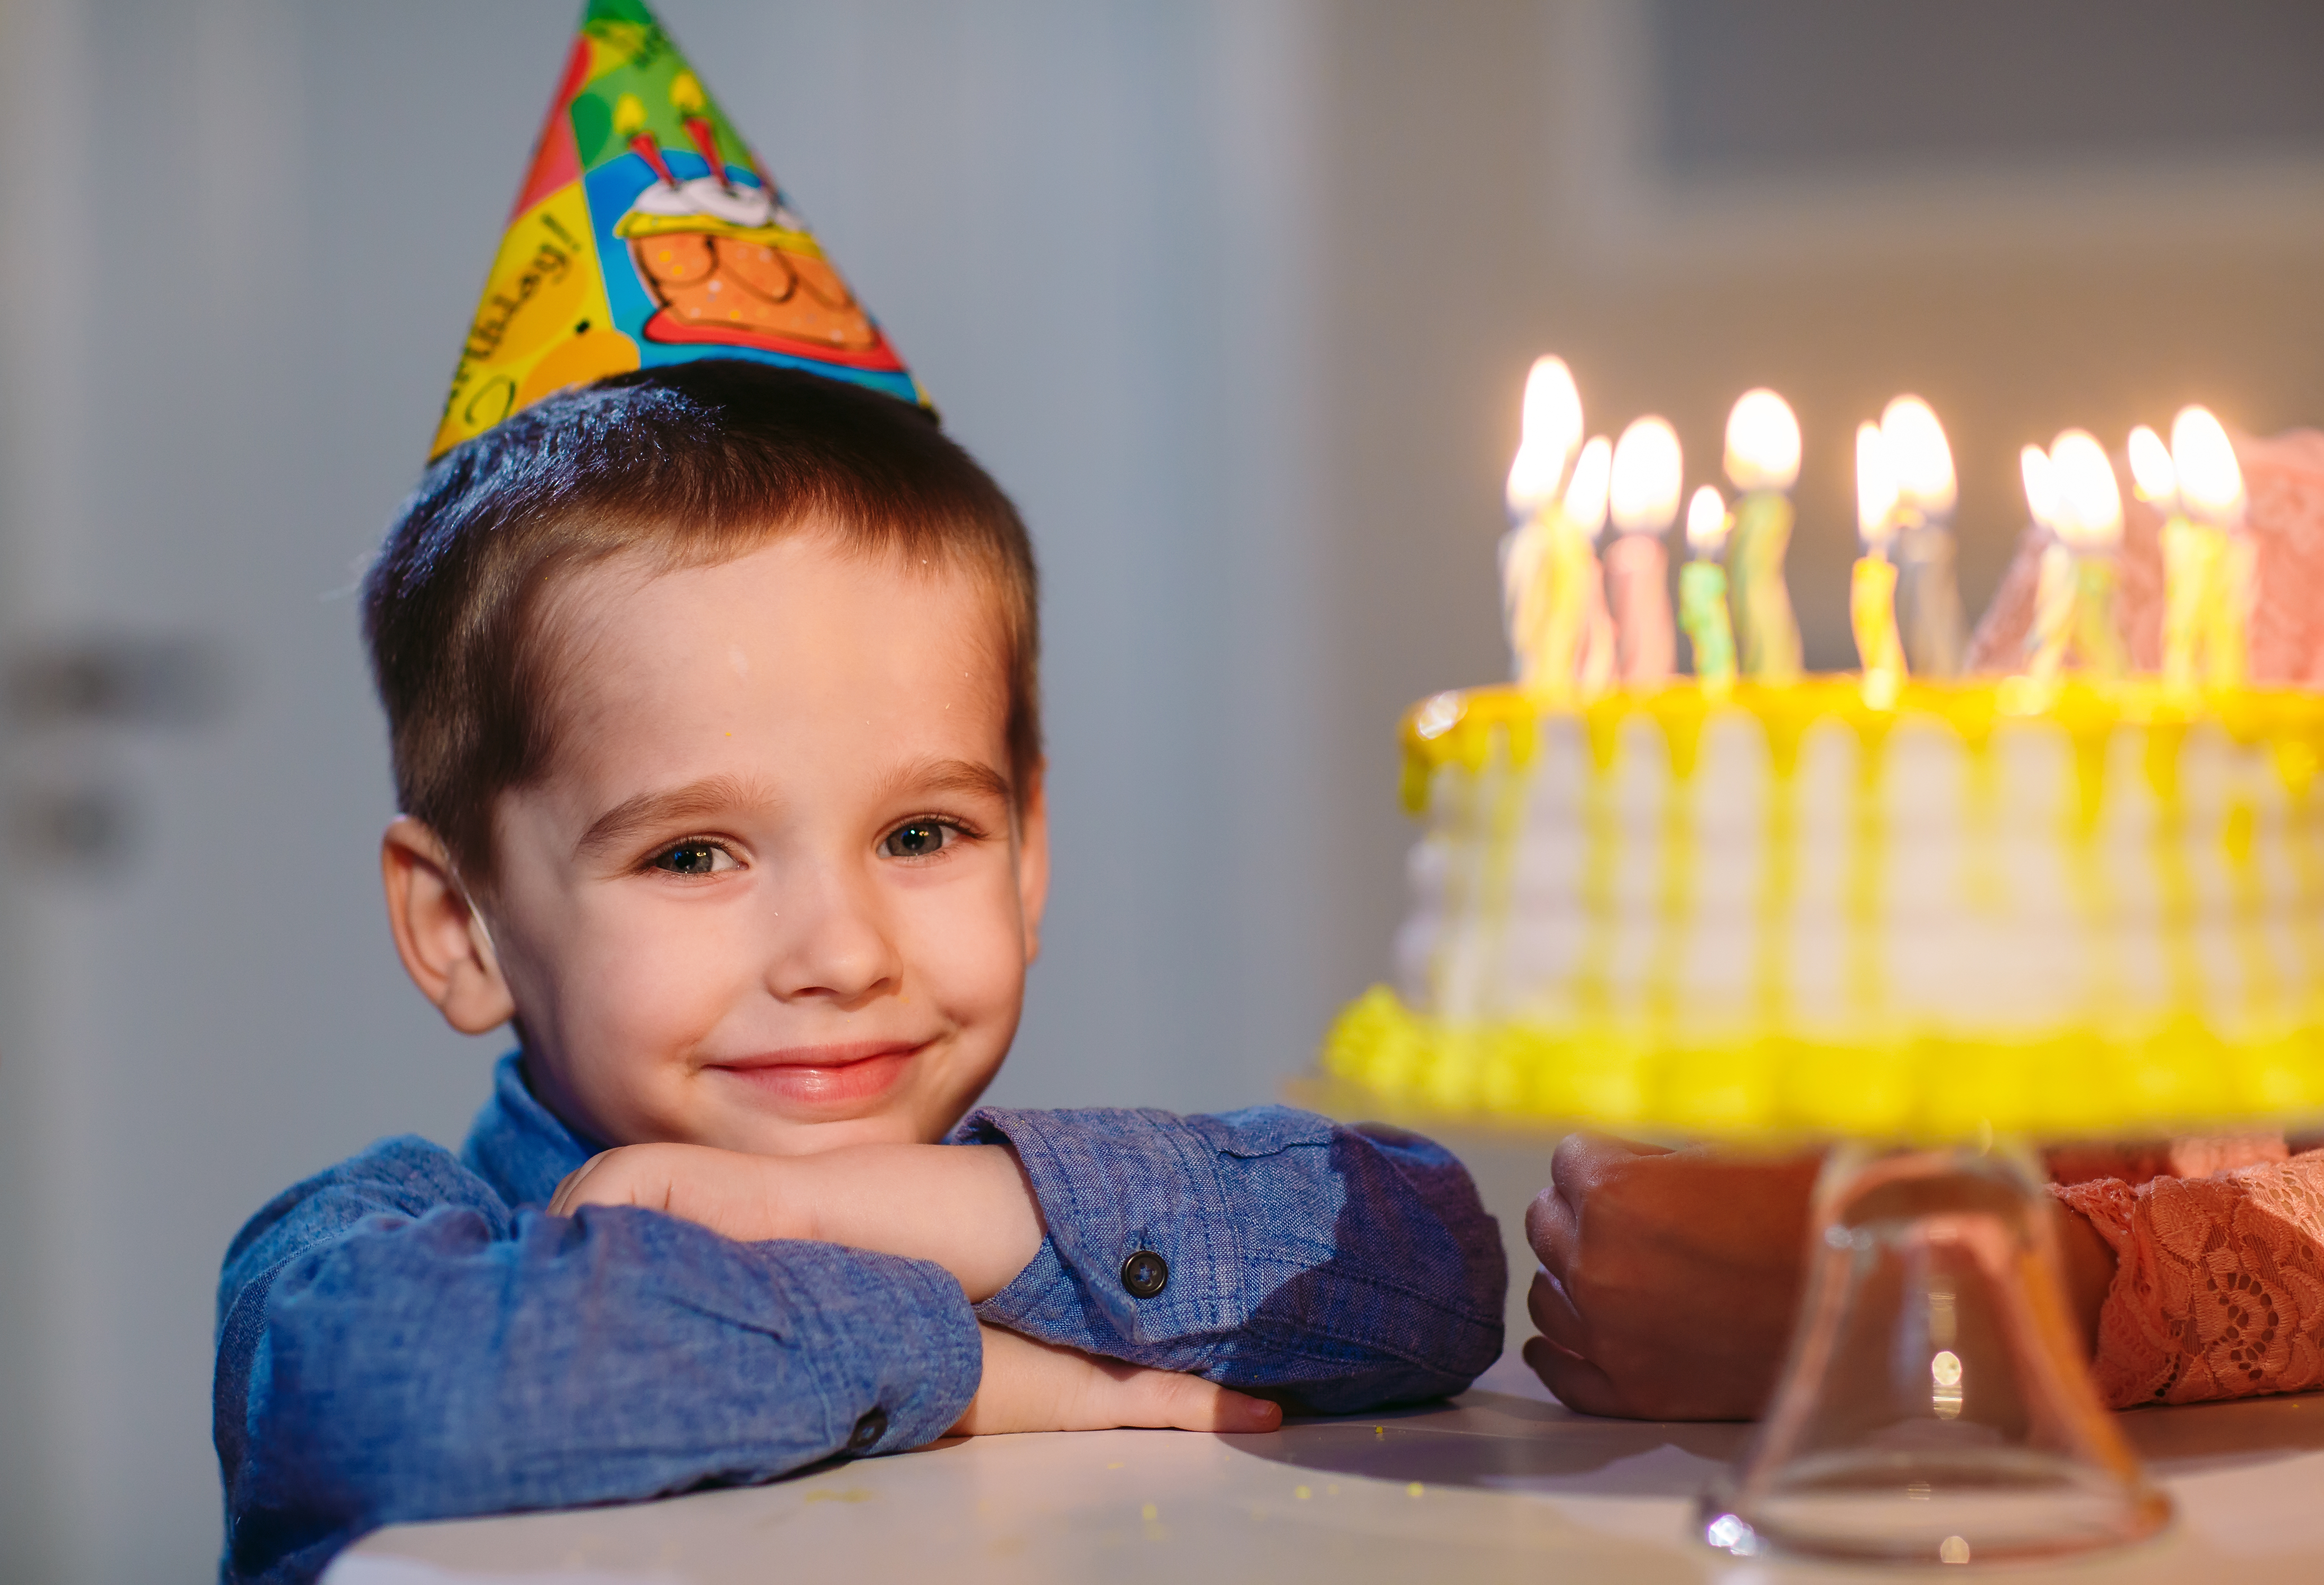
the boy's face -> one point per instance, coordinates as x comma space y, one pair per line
773, 894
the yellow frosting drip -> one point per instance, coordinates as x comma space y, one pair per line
1467, 727
2169, 1069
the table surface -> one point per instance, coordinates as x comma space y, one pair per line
1502, 1484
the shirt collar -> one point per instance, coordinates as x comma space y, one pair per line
517, 1145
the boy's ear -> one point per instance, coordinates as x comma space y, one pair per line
438, 934
1033, 856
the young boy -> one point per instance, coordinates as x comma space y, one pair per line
711, 692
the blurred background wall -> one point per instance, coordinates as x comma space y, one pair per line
1235, 296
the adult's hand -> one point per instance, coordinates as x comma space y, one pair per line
1669, 1279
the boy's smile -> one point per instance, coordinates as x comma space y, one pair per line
773, 892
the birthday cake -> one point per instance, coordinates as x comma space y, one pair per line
2047, 902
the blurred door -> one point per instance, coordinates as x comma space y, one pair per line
217, 384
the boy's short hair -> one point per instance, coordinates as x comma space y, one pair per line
688, 465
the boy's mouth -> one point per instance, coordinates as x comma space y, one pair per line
825, 1076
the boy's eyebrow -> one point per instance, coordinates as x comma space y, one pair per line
711, 796
950, 776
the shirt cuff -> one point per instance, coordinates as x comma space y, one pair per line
1112, 1184
899, 1351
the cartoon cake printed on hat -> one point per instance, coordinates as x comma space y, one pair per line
645, 232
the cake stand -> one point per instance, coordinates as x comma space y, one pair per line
1935, 1407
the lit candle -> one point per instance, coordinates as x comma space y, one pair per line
2207, 558
1551, 431
1642, 497
1581, 641
1872, 588
1928, 593
1763, 460
1702, 591
2095, 539
2154, 477
2087, 519
2053, 589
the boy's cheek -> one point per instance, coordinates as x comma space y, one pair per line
616, 1014
969, 946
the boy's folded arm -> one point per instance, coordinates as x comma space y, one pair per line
1268, 1250
396, 1345
968, 1208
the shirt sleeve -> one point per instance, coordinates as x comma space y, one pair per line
394, 1344
1335, 1269
2218, 1286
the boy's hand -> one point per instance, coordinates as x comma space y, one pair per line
968, 1208
1030, 1386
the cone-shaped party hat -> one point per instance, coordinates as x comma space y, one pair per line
647, 233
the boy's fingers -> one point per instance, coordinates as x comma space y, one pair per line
1240, 1414
560, 1203
585, 1184
1188, 1402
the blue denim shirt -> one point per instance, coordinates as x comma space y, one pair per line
407, 1336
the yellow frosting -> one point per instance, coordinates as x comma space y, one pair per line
1600, 1068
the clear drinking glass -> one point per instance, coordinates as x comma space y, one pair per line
1936, 1405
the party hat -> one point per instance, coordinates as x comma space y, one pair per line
647, 233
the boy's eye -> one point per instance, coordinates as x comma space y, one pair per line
690, 858
916, 839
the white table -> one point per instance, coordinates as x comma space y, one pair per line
1503, 1484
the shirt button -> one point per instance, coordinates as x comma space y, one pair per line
1144, 1274
868, 1431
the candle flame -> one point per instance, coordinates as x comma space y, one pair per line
1876, 487
1648, 472
1922, 461
1707, 521
1532, 481
2090, 500
1762, 442
2041, 486
1549, 430
1585, 492
2152, 474
2211, 481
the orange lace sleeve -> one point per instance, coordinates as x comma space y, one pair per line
2218, 1291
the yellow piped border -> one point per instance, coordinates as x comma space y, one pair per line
2174, 1077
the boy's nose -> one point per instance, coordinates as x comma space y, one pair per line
831, 941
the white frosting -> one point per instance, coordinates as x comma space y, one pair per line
740, 205
1945, 891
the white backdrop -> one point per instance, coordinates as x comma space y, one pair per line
248, 236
